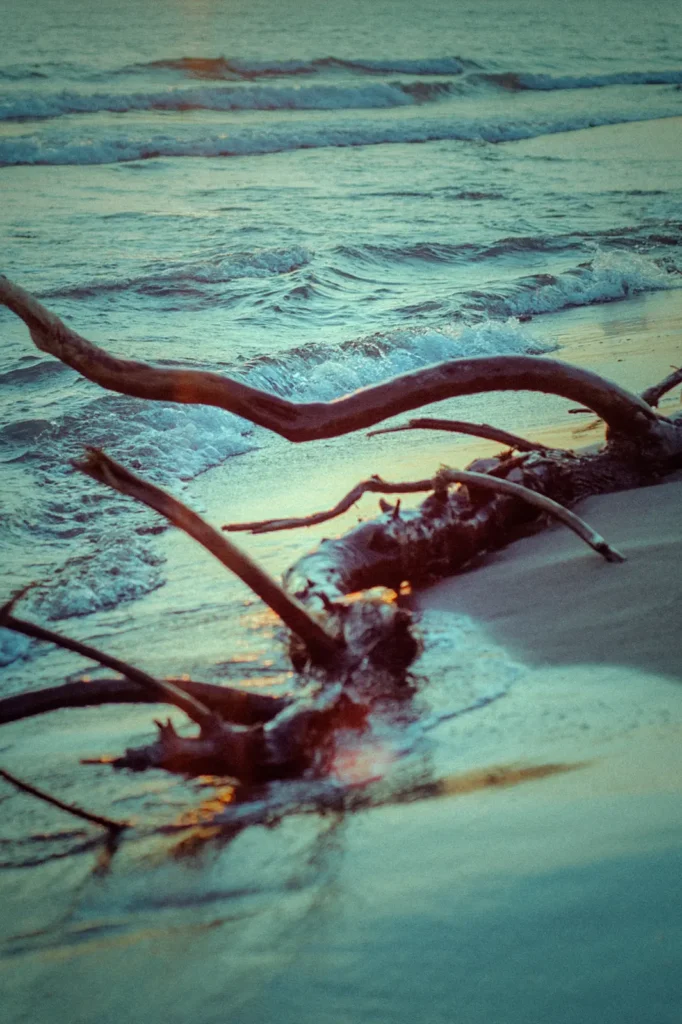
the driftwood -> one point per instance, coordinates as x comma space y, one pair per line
345, 638
242, 707
484, 430
321, 646
282, 736
439, 485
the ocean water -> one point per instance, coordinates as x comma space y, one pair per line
309, 198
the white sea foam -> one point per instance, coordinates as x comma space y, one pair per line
105, 146
321, 374
123, 569
609, 276
169, 441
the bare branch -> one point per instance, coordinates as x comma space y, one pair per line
321, 646
440, 481
241, 707
161, 690
654, 394
461, 427
545, 504
78, 812
624, 412
374, 484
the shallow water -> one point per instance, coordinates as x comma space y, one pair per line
311, 201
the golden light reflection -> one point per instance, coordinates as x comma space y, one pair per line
359, 766
207, 809
378, 594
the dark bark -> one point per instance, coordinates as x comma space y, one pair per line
240, 707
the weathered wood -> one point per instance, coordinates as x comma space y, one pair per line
622, 411
448, 531
484, 430
241, 707
160, 689
654, 394
439, 484
322, 646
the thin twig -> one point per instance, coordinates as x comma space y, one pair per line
461, 427
78, 812
375, 485
321, 646
441, 480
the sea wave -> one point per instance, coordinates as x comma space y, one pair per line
520, 80
223, 67
443, 252
217, 269
101, 147
369, 95
609, 276
169, 442
319, 373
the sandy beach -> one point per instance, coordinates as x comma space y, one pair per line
536, 882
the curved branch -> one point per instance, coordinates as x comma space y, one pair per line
240, 707
473, 429
622, 411
440, 481
78, 812
321, 646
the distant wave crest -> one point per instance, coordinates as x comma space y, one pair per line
369, 95
222, 67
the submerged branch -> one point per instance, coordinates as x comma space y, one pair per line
241, 707
624, 412
483, 430
161, 690
78, 812
321, 646
438, 483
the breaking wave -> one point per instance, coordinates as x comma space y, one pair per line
318, 373
235, 98
608, 277
218, 269
197, 141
